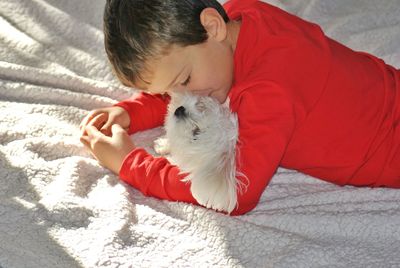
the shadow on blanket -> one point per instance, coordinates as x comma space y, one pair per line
30, 238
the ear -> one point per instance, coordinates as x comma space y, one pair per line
213, 23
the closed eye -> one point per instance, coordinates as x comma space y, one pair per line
187, 81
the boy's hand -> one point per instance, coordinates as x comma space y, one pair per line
104, 118
109, 151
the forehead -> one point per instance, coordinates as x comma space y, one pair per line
162, 71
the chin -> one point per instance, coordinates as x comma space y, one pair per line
201, 137
220, 95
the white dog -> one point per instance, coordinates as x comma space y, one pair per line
201, 137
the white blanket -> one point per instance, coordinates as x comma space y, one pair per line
59, 208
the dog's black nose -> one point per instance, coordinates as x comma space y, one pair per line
180, 112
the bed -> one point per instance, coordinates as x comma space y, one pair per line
60, 208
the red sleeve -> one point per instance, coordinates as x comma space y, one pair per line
145, 111
266, 123
155, 176
236, 4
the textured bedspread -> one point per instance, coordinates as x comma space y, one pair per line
60, 208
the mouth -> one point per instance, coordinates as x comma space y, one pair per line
196, 131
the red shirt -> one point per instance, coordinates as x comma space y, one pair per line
303, 101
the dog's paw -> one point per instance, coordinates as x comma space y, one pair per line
161, 146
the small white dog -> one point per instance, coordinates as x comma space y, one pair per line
201, 137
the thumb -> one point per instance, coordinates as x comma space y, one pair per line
117, 129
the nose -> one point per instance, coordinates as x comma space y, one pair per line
180, 112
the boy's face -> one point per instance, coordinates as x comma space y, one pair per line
204, 69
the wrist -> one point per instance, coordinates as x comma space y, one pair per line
125, 119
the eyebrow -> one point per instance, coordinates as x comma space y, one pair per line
173, 81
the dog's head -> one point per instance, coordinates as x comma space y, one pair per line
202, 136
199, 124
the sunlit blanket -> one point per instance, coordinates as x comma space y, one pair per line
60, 208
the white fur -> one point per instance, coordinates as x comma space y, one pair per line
203, 144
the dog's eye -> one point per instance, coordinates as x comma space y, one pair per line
196, 131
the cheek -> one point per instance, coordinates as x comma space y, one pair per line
211, 72
227, 71
205, 81
221, 73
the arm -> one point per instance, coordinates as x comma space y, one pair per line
145, 111
266, 124
155, 176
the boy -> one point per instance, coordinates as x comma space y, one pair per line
303, 100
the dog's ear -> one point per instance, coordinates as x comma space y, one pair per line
217, 189
228, 174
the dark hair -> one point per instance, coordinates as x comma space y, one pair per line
138, 30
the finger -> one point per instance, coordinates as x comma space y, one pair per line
86, 142
85, 122
99, 120
83, 131
93, 132
95, 136
106, 128
87, 119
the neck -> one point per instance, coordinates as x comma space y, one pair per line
233, 27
